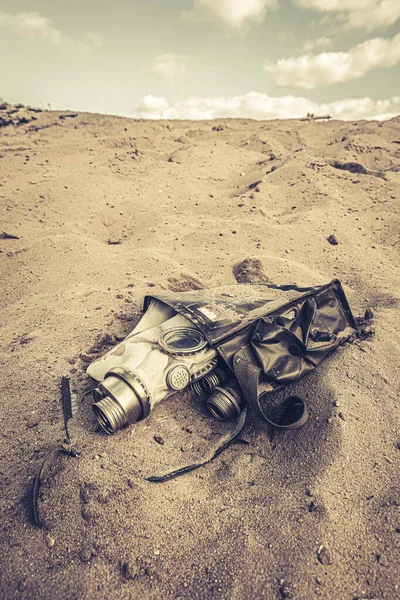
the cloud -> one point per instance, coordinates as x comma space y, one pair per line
327, 68
233, 14
255, 105
170, 66
321, 42
358, 14
34, 25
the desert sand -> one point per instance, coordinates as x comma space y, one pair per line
95, 212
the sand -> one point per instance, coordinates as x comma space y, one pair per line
106, 209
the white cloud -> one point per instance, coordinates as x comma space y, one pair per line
170, 66
358, 14
255, 105
233, 14
34, 25
321, 42
308, 71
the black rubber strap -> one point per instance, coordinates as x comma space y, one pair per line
62, 449
292, 413
226, 441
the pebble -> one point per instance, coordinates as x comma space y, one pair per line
332, 239
341, 416
50, 541
382, 560
255, 184
32, 424
323, 556
159, 440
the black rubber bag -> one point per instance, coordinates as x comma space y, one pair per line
269, 335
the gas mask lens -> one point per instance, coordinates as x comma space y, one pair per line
148, 366
182, 341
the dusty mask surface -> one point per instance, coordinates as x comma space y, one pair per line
162, 355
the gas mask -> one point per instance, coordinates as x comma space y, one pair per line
264, 336
161, 356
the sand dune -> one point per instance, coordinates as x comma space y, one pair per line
104, 209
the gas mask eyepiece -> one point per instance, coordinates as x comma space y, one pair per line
182, 341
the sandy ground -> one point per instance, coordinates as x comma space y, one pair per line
106, 209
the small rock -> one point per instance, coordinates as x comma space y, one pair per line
341, 416
50, 541
332, 239
32, 424
382, 560
9, 236
397, 529
324, 556
156, 552
159, 440
255, 184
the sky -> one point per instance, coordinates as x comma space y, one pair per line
203, 59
